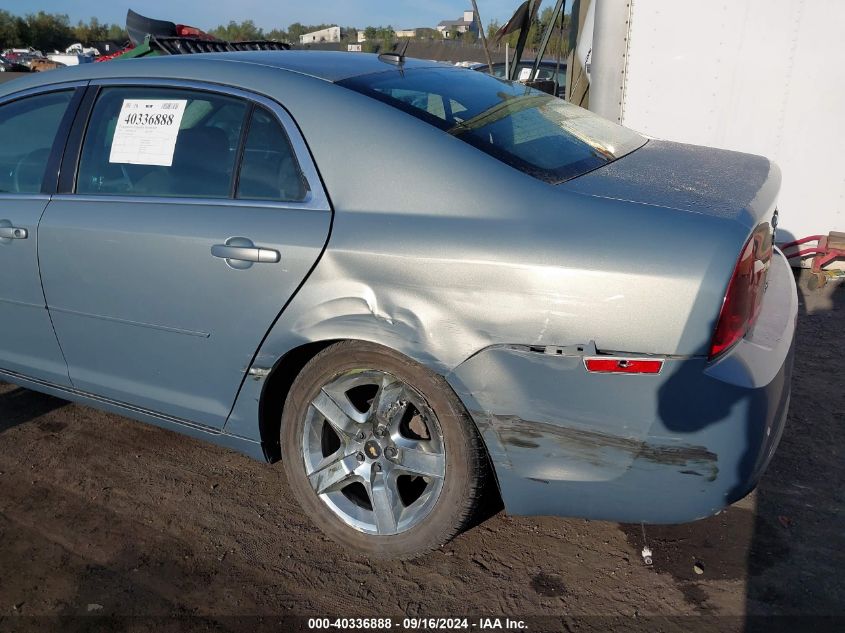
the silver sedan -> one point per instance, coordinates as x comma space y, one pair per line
410, 283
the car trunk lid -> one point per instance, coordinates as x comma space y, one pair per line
714, 182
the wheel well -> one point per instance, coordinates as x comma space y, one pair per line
275, 392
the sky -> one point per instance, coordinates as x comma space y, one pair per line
269, 14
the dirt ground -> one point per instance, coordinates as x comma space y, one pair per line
103, 516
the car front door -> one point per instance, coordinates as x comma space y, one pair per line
30, 126
196, 213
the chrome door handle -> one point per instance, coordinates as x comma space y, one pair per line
240, 252
13, 233
246, 254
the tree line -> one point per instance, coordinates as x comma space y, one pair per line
53, 31
558, 43
248, 30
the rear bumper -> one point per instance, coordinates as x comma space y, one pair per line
666, 448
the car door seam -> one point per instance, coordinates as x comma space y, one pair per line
80, 90
307, 276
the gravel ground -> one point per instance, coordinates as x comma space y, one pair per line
103, 516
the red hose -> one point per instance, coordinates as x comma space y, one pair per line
803, 240
806, 251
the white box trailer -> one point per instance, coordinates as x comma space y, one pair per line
759, 76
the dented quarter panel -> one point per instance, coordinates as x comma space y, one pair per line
553, 420
661, 448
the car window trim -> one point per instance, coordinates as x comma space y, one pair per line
53, 173
73, 147
243, 155
316, 198
207, 202
38, 90
239, 158
71, 187
50, 182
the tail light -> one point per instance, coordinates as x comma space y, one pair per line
745, 292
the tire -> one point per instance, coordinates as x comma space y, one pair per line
399, 470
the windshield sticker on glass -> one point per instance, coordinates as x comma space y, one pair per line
146, 132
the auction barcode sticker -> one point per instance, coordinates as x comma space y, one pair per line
146, 132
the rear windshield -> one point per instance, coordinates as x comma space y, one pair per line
539, 134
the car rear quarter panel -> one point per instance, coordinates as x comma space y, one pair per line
665, 448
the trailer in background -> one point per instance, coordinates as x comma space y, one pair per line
759, 76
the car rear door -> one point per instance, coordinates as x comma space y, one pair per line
194, 215
33, 129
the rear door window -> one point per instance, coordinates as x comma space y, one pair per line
28, 128
161, 142
269, 169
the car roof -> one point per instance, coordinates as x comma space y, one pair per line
329, 66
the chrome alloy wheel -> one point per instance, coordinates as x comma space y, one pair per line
373, 452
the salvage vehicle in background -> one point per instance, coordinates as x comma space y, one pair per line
533, 297
23, 59
44, 64
7, 66
21, 54
547, 70
149, 37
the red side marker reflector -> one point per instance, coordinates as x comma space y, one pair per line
623, 365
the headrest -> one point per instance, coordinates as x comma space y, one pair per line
205, 147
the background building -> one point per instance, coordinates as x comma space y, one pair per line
467, 23
331, 34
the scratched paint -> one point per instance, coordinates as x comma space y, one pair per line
601, 450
